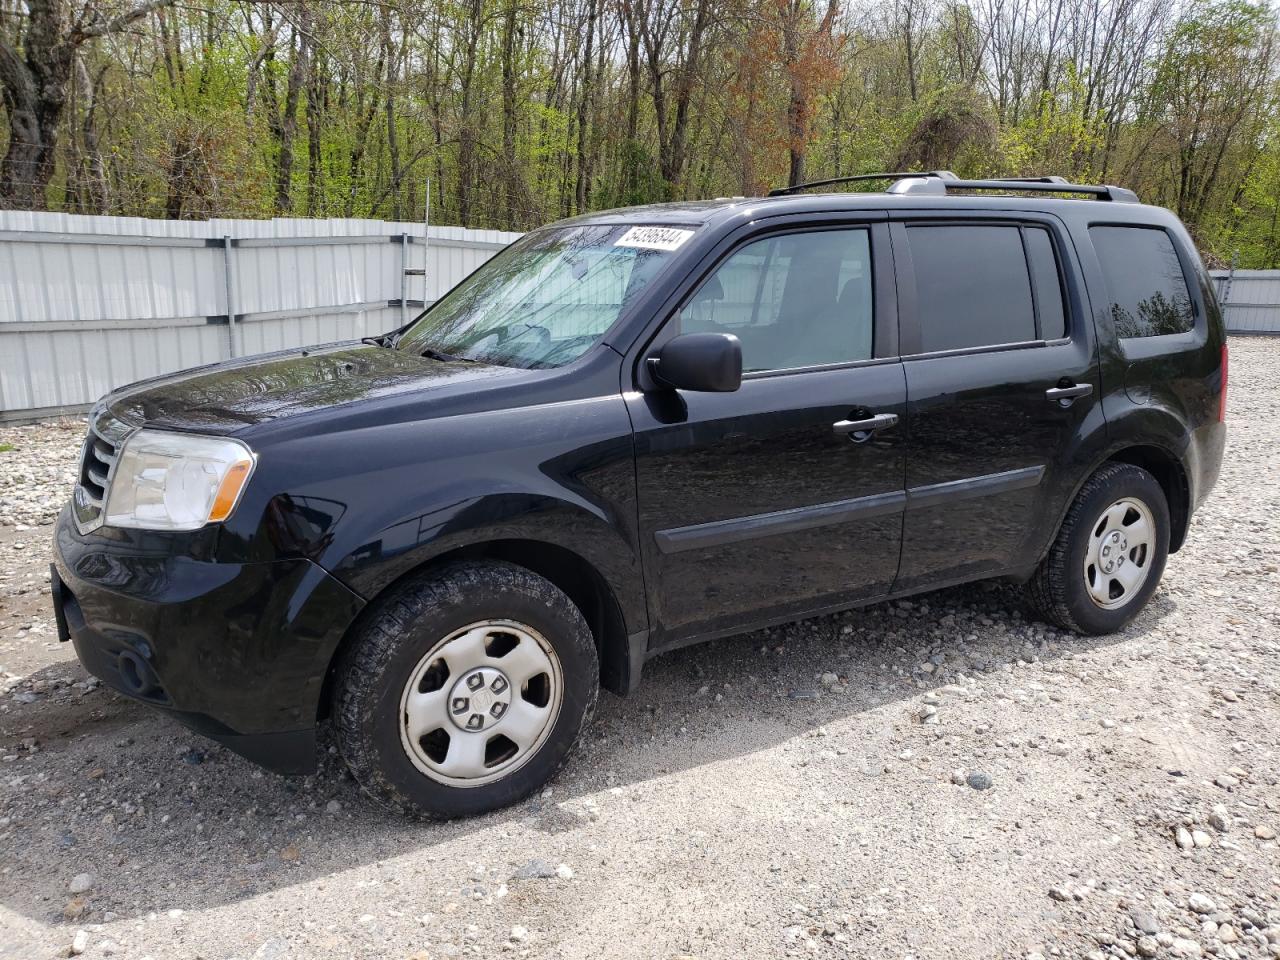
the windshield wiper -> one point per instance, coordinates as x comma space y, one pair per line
431, 353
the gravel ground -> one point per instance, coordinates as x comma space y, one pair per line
944, 777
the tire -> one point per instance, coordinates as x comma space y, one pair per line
1075, 589
474, 651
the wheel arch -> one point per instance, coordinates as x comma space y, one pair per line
1163, 464
1172, 477
586, 587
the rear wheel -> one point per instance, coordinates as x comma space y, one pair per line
1109, 555
465, 690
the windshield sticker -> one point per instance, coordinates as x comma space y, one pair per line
653, 238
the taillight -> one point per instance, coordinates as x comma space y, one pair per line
1222, 397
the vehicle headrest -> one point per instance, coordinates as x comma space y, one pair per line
851, 290
712, 289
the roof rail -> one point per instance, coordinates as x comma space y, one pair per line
928, 185
1031, 179
859, 178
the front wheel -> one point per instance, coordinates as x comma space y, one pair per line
465, 690
1109, 555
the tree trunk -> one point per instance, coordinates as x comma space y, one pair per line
584, 106
393, 153
287, 128
673, 131
91, 171
315, 118
466, 122
512, 183
365, 112
35, 94
798, 106
797, 102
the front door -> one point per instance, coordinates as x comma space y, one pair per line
785, 496
1002, 379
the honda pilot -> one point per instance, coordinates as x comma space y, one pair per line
637, 430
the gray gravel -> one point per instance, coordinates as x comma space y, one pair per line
943, 777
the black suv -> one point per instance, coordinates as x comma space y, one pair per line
637, 430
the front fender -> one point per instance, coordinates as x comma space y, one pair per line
387, 554
371, 503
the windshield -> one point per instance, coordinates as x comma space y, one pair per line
547, 298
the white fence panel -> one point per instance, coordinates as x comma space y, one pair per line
88, 304
1250, 300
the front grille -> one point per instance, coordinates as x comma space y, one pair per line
97, 467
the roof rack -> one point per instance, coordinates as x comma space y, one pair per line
858, 178
938, 183
928, 185
1031, 179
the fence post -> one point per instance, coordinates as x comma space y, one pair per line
426, 242
404, 275
229, 277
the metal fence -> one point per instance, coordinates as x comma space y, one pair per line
88, 304
1250, 300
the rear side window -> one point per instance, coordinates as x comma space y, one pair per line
1146, 289
972, 286
1047, 280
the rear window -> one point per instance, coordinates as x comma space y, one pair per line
972, 286
1146, 290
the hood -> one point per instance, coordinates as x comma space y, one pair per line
227, 397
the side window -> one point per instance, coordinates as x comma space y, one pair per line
1146, 289
794, 300
1047, 279
972, 286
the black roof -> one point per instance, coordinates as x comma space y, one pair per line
699, 212
928, 190
931, 190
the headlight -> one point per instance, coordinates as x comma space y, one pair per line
176, 481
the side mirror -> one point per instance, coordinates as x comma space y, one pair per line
705, 362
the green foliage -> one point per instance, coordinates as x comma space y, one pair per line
523, 113
639, 179
1058, 135
953, 129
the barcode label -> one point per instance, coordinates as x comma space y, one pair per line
653, 238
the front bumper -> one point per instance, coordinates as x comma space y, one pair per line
236, 651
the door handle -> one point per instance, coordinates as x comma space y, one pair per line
1067, 394
881, 421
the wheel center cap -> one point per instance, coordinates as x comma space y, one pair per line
479, 699
1114, 548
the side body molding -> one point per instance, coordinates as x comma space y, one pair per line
719, 532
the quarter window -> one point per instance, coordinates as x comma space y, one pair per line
1146, 289
794, 300
973, 288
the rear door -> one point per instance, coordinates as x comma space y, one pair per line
766, 503
1002, 390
